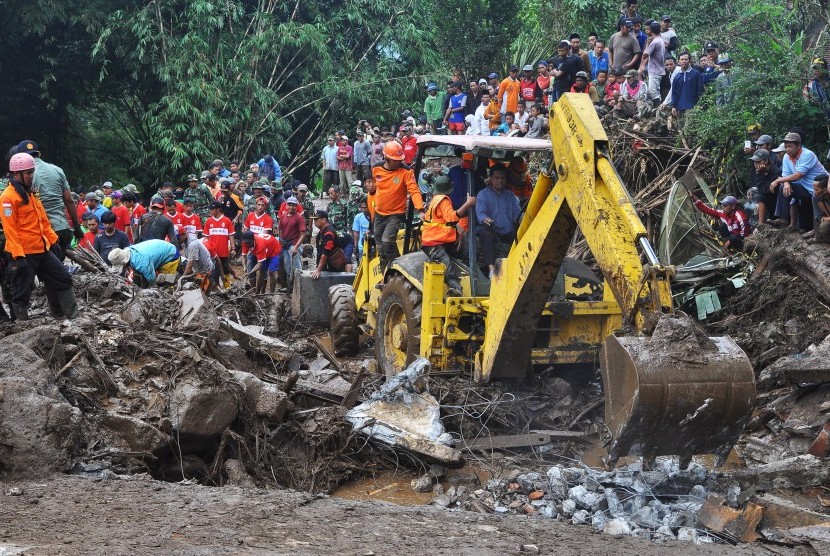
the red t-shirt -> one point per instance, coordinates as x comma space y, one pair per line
219, 231
88, 240
410, 148
138, 212
122, 217
259, 224
176, 218
266, 246
192, 223
544, 83
291, 227
209, 246
527, 89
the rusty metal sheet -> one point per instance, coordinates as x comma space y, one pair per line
739, 524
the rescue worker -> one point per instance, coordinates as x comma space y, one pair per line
734, 223
330, 257
392, 181
32, 245
148, 258
266, 250
441, 232
155, 225
200, 265
292, 230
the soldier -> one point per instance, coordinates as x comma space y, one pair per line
308, 209
199, 194
340, 218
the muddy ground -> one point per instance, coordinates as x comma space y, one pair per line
73, 515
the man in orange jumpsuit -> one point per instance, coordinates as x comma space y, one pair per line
32, 245
392, 182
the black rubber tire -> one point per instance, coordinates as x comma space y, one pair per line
398, 297
343, 324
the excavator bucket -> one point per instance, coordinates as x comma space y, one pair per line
677, 392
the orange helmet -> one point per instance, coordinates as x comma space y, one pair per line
393, 150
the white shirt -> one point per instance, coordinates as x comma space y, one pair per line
480, 124
521, 120
677, 70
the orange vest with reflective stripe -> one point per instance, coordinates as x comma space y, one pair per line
436, 229
27, 227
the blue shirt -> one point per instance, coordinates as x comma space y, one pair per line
272, 171
457, 101
362, 150
597, 64
147, 256
807, 163
99, 212
361, 226
686, 88
329, 156
502, 208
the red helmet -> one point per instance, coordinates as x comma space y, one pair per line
21, 162
393, 150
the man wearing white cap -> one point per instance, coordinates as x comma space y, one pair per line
147, 258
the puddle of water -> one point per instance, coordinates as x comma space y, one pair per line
395, 487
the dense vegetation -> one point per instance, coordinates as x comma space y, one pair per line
148, 91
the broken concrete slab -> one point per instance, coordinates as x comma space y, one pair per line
819, 532
263, 399
196, 312
133, 313
403, 414
716, 515
780, 513
795, 472
310, 298
252, 341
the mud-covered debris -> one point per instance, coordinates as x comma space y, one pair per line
741, 524
403, 414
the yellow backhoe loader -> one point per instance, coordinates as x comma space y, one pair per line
669, 389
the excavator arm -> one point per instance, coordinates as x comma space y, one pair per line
668, 388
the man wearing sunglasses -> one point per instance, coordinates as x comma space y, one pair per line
32, 245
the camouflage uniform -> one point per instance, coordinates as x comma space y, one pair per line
353, 205
201, 198
339, 217
308, 213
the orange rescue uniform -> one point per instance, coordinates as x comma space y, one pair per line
391, 189
27, 227
439, 223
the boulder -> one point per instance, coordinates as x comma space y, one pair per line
202, 410
132, 434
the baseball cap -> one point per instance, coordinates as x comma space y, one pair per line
628, 23
91, 196
665, 18
729, 200
792, 138
107, 184
258, 185
302, 187
759, 155
432, 87
528, 67
192, 177
215, 205
514, 68
156, 202
319, 213
29, 147
117, 194
711, 45
482, 81
292, 201
493, 75
764, 140
779, 149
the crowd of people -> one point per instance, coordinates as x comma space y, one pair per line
252, 223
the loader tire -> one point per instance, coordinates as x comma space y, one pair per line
398, 332
345, 335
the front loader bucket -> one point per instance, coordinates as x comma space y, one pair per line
677, 392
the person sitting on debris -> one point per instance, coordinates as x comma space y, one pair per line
110, 238
330, 256
632, 102
798, 171
265, 252
765, 173
734, 223
148, 258
821, 209
441, 232
497, 209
